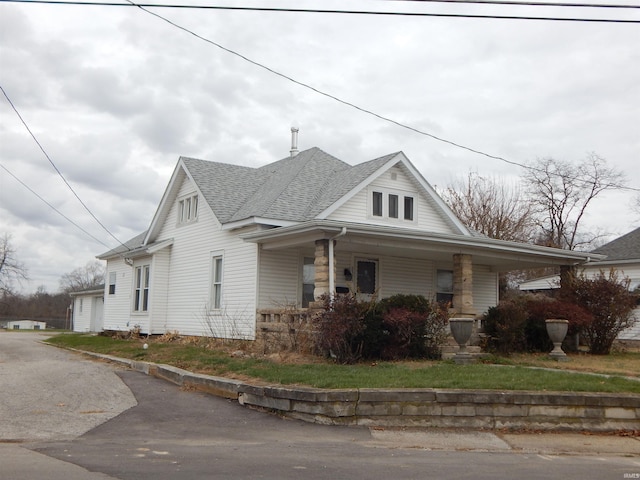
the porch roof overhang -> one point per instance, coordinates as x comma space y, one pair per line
367, 239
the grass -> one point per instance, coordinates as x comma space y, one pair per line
513, 374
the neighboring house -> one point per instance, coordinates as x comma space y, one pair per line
87, 309
621, 254
26, 325
229, 245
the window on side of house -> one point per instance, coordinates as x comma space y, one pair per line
308, 281
112, 283
187, 209
444, 286
216, 282
408, 208
393, 205
141, 294
81, 302
377, 204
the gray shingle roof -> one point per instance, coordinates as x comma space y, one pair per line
129, 245
626, 247
292, 189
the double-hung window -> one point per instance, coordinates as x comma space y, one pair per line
444, 286
141, 294
112, 283
216, 282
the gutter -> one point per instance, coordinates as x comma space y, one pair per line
332, 271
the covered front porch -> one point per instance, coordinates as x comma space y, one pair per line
299, 264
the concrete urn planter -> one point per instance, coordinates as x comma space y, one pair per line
557, 330
461, 329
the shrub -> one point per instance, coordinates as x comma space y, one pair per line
504, 327
340, 327
518, 324
540, 309
401, 326
610, 303
414, 327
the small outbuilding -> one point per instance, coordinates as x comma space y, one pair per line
87, 309
26, 325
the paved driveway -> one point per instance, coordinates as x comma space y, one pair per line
177, 434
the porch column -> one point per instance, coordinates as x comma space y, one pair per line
321, 264
463, 286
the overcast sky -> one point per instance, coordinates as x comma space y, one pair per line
115, 95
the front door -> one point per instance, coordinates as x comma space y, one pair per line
366, 278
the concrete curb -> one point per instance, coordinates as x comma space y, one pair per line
423, 407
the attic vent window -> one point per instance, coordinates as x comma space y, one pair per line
188, 209
392, 205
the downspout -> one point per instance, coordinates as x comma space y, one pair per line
332, 270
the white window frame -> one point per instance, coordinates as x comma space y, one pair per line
188, 209
441, 293
112, 283
400, 215
141, 288
216, 298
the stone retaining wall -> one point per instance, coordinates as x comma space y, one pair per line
597, 412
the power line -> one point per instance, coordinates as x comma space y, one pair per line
52, 207
335, 11
344, 102
56, 168
519, 3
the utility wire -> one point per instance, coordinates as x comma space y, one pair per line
53, 208
57, 170
519, 3
353, 12
344, 102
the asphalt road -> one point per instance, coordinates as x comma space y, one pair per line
176, 434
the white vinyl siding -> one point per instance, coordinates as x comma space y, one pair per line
405, 275
485, 288
359, 208
82, 314
280, 278
189, 275
117, 312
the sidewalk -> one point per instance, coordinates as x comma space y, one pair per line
546, 443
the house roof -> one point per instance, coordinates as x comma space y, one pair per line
294, 189
626, 247
128, 246
96, 289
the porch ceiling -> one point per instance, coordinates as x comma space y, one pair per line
373, 240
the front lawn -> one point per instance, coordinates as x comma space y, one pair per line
198, 355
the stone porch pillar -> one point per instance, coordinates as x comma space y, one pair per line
463, 286
321, 264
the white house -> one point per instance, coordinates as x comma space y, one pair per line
621, 254
228, 244
87, 309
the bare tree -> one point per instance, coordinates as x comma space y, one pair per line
561, 191
82, 278
11, 270
491, 207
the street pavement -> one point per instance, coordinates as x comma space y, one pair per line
144, 428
